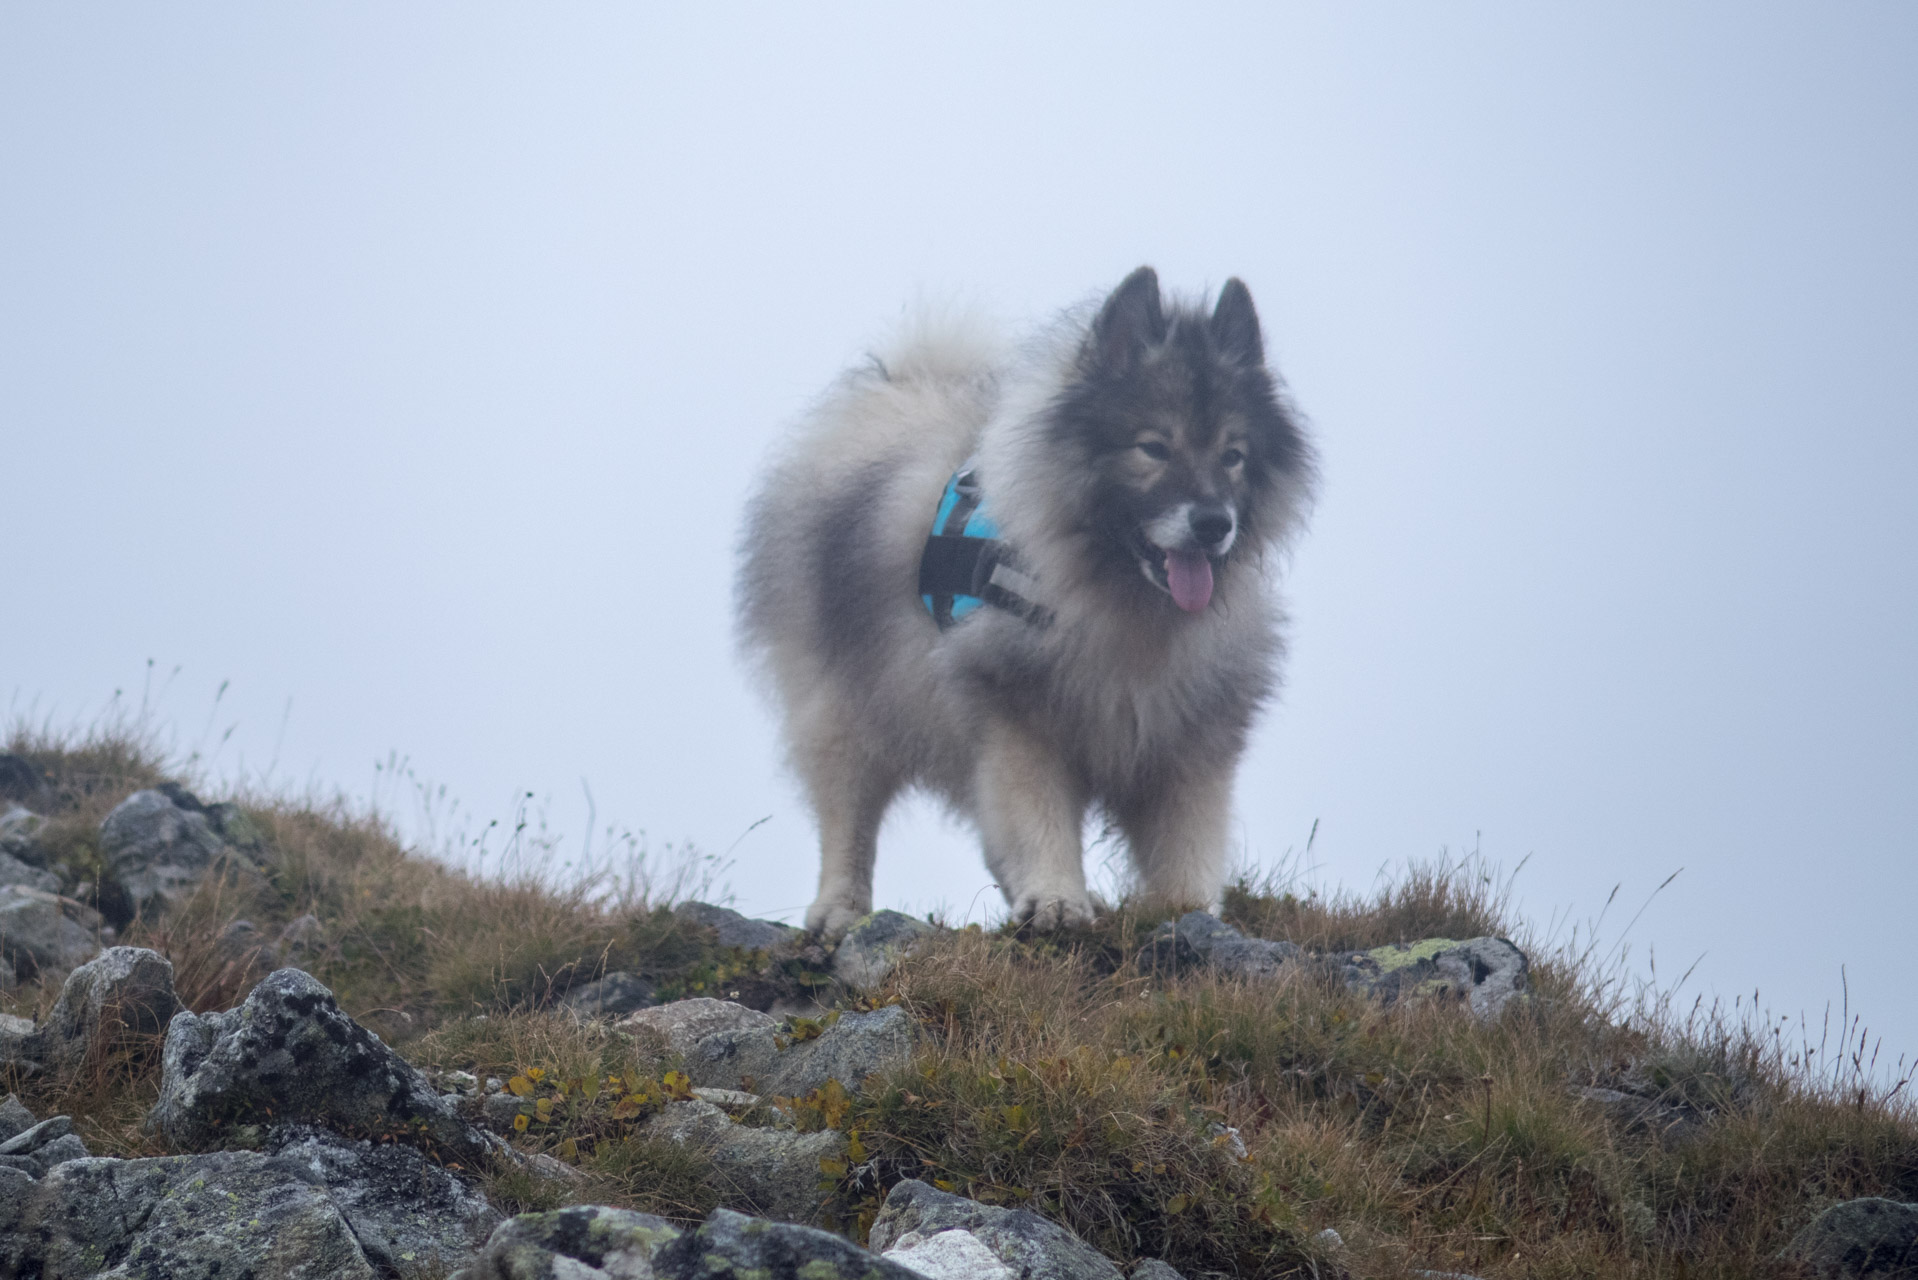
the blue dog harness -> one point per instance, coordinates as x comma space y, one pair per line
966, 564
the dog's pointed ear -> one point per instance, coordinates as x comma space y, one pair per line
1235, 325
1130, 321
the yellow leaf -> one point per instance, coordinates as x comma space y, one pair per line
855, 1149
590, 1087
521, 1086
536, 1074
545, 1108
833, 1168
1177, 1204
568, 1150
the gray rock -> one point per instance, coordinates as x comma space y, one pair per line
1153, 1269
735, 930
856, 1046
583, 1242
463, 1083
23, 859
18, 821
1859, 1238
14, 1117
684, 1023
498, 1109
1197, 940
232, 1213
42, 931
156, 850
1034, 1248
1486, 974
68, 1146
614, 995
770, 1171
954, 1255
28, 1139
16, 1034
411, 1217
741, 1057
19, 780
16, 1191
875, 945
728, 1046
302, 940
729, 1245
15, 871
289, 1054
731, 1101
121, 994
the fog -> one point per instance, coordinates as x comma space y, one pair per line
402, 374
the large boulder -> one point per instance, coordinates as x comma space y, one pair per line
1197, 940
1859, 1238
289, 1054
201, 1217
1484, 974
1032, 1247
118, 997
158, 851
411, 1217
771, 1171
42, 931
874, 946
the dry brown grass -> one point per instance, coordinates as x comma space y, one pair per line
1052, 1074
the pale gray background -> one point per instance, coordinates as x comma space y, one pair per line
412, 364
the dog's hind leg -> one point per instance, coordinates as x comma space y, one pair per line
1176, 834
850, 792
1029, 809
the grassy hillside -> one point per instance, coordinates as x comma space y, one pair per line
1575, 1136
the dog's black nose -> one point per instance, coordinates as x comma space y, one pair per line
1211, 524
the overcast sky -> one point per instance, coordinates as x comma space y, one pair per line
407, 368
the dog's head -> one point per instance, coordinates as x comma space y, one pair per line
1189, 454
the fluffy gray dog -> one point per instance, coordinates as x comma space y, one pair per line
1032, 582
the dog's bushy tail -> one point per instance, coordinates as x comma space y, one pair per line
940, 342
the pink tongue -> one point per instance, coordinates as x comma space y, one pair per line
1189, 574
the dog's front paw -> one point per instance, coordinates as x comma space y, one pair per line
831, 917
1048, 912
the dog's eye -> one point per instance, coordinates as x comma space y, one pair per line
1155, 450
1231, 458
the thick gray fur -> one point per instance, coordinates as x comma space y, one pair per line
1100, 445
